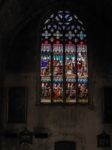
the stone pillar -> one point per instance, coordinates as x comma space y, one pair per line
1, 91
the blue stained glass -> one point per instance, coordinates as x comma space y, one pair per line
52, 16
60, 15
70, 18
81, 35
57, 18
75, 31
82, 81
60, 23
44, 28
63, 26
47, 21
67, 12
44, 63
52, 30
71, 80
55, 26
83, 29
72, 27
46, 34
60, 11
59, 28
80, 21
66, 16
78, 27
67, 23
57, 34
70, 35
75, 17
49, 26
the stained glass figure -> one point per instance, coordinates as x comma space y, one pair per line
45, 89
71, 90
57, 59
64, 66
82, 72
70, 62
57, 90
45, 59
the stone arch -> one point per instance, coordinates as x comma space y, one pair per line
76, 138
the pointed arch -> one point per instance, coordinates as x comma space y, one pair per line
64, 65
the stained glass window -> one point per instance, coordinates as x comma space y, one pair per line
64, 66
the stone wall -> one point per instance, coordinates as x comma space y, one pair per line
20, 28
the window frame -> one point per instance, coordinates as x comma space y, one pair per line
64, 102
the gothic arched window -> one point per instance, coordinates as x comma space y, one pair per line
64, 67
